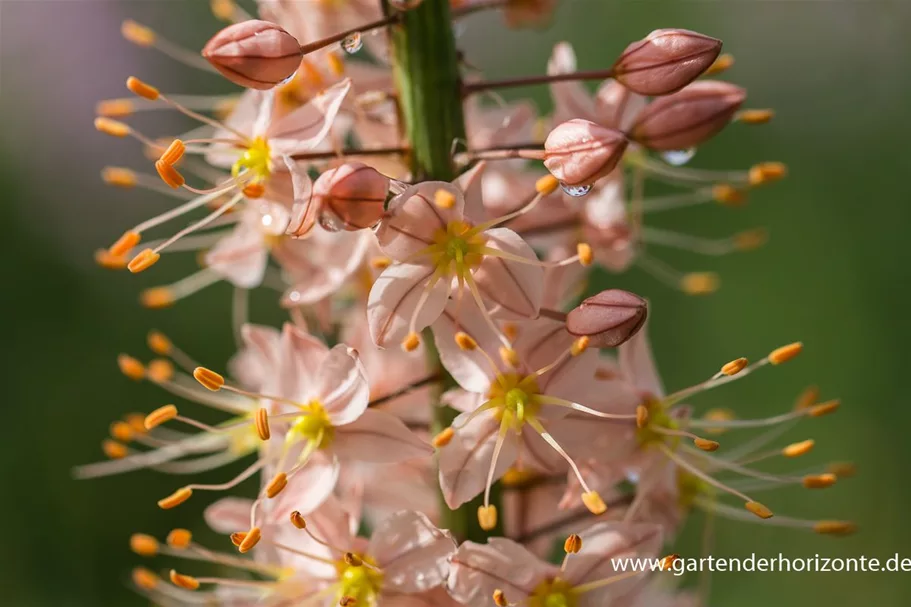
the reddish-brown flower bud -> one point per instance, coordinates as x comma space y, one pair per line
579, 152
354, 193
254, 54
665, 61
689, 117
609, 318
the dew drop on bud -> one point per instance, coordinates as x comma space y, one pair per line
576, 191
330, 222
287, 80
678, 157
352, 43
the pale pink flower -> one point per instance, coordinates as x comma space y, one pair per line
313, 20
436, 234
586, 579
521, 406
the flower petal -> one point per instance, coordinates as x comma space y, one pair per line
478, 570
305, 209
378, 437
342, 385
228, 514
465, 461
240, 257
516, 287
607, 541
470, 183
616, 106
413, 219
319, 476
258, 357
394, 298
301, 355
304, 128
469, 367
412, 552
571, 99
637, 363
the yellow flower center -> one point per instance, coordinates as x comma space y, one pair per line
256, 160
360, 582
314, 426
553, 593
457, 249
658, 417
514, 398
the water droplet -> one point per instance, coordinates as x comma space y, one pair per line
678, 157
353, 43
286, 80
576, 191
330, 222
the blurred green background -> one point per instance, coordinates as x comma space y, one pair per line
834, 275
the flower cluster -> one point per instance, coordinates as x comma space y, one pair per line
431, 419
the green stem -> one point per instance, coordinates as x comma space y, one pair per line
429, 86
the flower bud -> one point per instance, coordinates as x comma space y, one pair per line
354, 193
665, 61
254, 54
579, 152
609, 318
688, 118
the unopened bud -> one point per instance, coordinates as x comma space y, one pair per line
579, 152
354, 193
665, 61
689, 117
609, 318
254, 54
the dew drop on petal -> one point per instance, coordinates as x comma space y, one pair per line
352, 43
576, 191
330, 222
678, 157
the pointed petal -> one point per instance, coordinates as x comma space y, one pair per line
228, 515
470, 183
301, 355
605, 542
616, 106
478, 570
378, 437
394, 298
319, 476
305, 209
258, 358
413, 219
638, 364
342, 385
240, 257
412, 552
465, 461
571, 99
516, 287
471, 369
304, 128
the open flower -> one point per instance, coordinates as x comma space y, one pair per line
586, 579
522, 407
436, 234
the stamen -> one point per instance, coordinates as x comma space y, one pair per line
250, 540
139, 35
641, 416
112, 127
169, 174
573, 544
559, 402
443, 438
131, 367
721, 64
298, 520
160, 416
499, 598
509, 356
785, 353
767, 172
111, 262
122, 431
276, 485
184, 581
444, 199
114, 450
726, 194
179, 539
160, 371
174, 152
176, 498
819, 481
159, 343
798, 449
754, 116
823, 408
585, 254
209, 379
759, 510
411, 342
126, 242
487, 517
699, 283
590, 498
141, 89
695, 471
843, 469
465, 341
262, 423
735, 366
250, 471
143, 261
144, 578
835, 527
157, 298
705, 444
143, 545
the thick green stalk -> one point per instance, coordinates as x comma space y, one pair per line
428, 82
